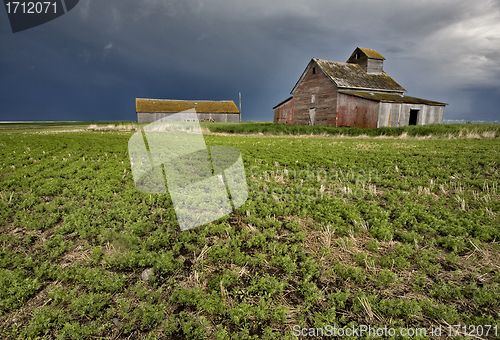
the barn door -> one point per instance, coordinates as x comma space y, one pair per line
413, 117
312, 114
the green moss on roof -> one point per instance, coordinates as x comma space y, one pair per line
167, 105
371, 53
352, 76
391, 98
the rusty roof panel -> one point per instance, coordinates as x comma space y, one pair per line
170, 105
391, 98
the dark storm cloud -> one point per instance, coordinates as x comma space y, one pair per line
93, 62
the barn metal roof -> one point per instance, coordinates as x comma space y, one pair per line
352, 76
391, 98
171, 105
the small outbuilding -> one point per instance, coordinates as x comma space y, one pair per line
150, 110
357, 93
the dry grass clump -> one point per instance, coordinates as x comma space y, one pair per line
474, 134
488, 134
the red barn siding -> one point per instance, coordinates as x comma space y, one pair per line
325, 98
354, 111
283, 113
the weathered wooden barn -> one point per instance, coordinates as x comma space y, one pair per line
150, 110
355, 93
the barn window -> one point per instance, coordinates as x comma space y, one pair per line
313, 98
358, 55
314, 70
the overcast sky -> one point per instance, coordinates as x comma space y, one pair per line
92, 63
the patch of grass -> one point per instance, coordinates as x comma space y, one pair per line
448, 131
376, 231
16, 288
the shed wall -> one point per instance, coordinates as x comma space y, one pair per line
220, 117
355, 111
149, 117
404, 118
395, 113
325, 99
389, 114
384, 115
374, 66
283, 114
435, 114
398, 114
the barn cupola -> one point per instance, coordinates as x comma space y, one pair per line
369, 60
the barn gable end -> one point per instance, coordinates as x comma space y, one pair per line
315, 98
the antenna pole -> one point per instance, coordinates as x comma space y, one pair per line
240, 107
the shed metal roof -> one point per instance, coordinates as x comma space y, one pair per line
391, 98
171, 105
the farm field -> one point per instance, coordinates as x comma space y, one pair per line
385, 232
